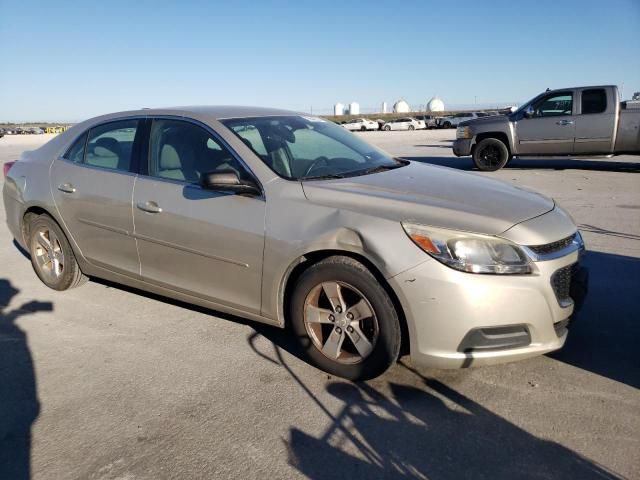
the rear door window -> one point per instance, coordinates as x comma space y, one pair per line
594, 100
110, 145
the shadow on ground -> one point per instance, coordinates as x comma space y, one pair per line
465, 163
19, 405
603, 339
422, 430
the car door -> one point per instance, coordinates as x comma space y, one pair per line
92, 186
201, 242
595, 121
551, 128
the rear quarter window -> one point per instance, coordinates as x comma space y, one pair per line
594, 101
76, 151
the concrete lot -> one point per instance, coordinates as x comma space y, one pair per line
106, 383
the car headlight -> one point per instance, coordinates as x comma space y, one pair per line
463, 133
470, 252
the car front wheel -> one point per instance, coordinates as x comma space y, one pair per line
345, 320
51, 255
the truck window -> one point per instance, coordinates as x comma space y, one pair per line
594, 100
554, 105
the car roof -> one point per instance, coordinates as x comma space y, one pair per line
213, 112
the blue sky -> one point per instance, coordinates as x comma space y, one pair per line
67, 60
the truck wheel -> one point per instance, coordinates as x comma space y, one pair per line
446, 124
490, 155
345, 320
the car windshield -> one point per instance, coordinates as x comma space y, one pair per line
306, 148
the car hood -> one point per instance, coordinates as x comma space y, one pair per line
432, 195
497, 119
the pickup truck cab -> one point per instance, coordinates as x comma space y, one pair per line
579, 121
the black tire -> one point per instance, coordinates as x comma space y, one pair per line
446, 125
490, 155
352, 274
363, 128
411, 127
70, 275
386, 128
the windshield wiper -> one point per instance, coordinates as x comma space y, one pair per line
323, 177
380, 168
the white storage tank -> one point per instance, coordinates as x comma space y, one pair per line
338, 109
401, 106
435, 105
354, 108
384, 107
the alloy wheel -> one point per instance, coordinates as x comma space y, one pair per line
340, 322
490, 156
48, 253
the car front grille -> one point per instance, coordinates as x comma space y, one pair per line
553, 246
561, 283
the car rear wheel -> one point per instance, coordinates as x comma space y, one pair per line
363, 128
490, 155
51, 255
345, 320
411, 127
446, 124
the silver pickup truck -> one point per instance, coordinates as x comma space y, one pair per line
582, 121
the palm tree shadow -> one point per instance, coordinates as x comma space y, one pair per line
427, 430
423, 429
19, 405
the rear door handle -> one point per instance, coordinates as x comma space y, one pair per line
67, 188
565, 122
149, 207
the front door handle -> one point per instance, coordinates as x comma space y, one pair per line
67, 188
565, 122
149, 207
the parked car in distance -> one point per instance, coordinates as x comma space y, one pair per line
36, 131
429, 120
360, 124
406, 123
579, 121
289, 220
421, 124
454, 120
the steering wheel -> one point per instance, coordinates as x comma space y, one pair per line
316, 163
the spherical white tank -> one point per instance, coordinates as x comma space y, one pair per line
354, 108
338, 109
435, 105
401, 107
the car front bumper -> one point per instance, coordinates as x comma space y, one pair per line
457, 319
462, 147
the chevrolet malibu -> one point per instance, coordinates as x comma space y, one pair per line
293, 221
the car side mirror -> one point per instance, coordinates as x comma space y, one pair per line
229, 181
529, 112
